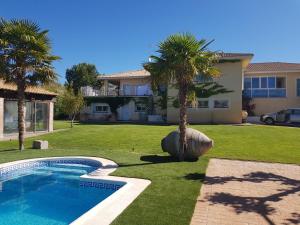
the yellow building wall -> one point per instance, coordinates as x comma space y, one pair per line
231, 78
267, 105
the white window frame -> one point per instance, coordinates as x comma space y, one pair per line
202, 100
226, 108
101, 105
140, 105
268, 89
298, 78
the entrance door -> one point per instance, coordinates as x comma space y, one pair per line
125, 113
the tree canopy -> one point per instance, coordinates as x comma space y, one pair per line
80, 75
25, 53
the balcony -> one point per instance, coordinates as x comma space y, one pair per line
127, 90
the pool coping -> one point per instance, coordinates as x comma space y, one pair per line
111, 207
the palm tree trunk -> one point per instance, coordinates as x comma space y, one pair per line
182, 119
21, 113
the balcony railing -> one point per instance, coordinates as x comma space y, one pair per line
90, 92
266, 92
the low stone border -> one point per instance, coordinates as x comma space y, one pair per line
127, 189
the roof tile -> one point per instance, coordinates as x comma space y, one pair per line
272, 67
30, 89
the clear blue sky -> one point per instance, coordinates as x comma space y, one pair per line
118, 35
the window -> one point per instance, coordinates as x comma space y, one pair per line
247, 83
203, 104
271, 82
255, 82
265, 87
296, 111
10, 117
101, 108
203, 79
139, 107
41, 116
280, 82
263, 82
221, 104
298, 87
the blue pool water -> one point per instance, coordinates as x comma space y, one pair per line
48, 195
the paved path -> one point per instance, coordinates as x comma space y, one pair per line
249, 193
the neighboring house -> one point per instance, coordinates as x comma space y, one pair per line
273, 86
38, 111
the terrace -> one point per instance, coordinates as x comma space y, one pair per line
130, 83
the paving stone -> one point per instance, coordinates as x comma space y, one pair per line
248, 193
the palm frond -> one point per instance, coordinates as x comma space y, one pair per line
25, 49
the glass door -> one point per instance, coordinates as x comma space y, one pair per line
10, 117
41, 116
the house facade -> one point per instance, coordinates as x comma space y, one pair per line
127, 96
222, 108
273, 86
39, 108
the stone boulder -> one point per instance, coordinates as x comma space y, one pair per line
197, 144
39, 144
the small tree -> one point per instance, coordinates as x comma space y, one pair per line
25, 59
71, 104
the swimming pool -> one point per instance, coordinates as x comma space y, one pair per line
59, 191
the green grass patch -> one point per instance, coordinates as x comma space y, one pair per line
171, 197
61, 124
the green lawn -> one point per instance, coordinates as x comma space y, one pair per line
61, 124
171, 197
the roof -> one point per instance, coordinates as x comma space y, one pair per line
135, 74
228, 55
128, 74
272, 67
30, 89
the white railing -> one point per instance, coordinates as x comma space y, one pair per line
132, 91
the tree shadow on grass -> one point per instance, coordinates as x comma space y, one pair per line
9, 150
195, 176
150, 160
259, 205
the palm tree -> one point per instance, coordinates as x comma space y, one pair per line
25, 59
181, 57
